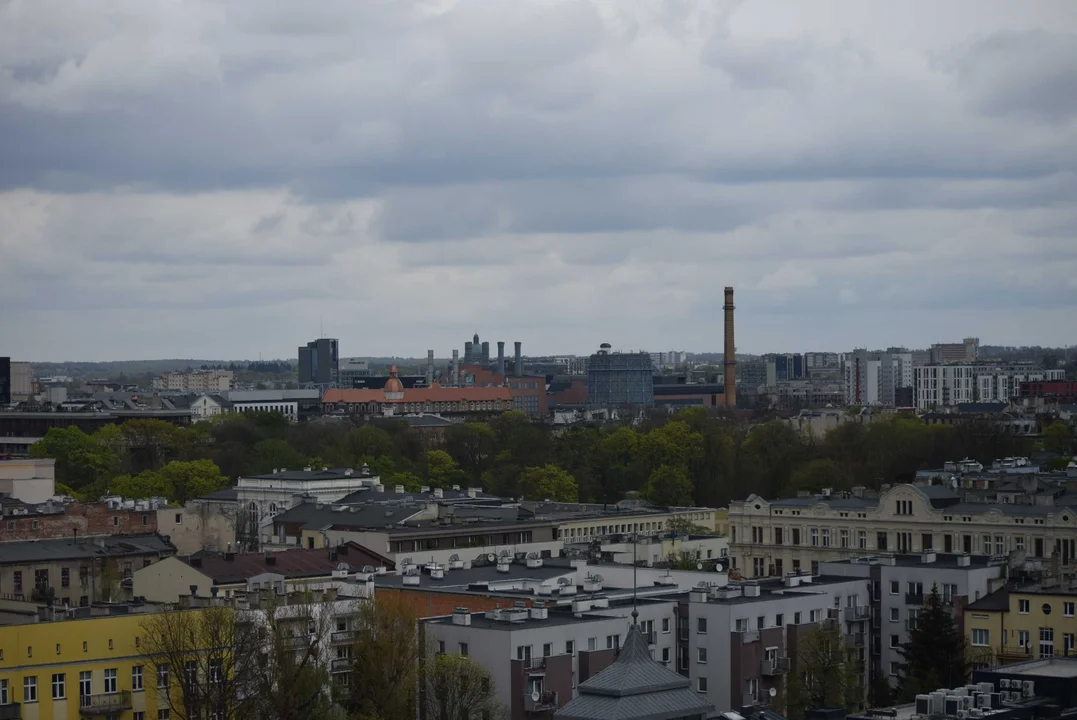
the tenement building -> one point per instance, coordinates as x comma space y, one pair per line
774, 537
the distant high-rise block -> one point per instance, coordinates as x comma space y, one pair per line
319, 362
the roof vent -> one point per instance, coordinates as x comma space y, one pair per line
461, 616
964, 560
928, 558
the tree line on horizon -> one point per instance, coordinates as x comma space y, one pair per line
693, 457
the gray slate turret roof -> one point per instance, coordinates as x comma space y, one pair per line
635, 687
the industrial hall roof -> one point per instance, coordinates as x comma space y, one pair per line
635, 687
434, 393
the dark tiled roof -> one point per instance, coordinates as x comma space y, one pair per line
329, 474
290, 563
635, 687
42, 551
316, 515
226, 495
998, 600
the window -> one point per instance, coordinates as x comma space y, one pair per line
1023, 639
862, 540
880, 541
110, 681
893, 669
981, 637
926, 541
592, 643
796, 536
665, 622
894, 613
701, 626
761, 622
1067, 609
826, 537
65, 577
1047, 642
59, 686
814, 616
701, 684
547, 649
570, 647
796, 618
3, 692
139, 715
613, 642
190, 673
216, 670
815, 537
741, 625
163, 715
463, 649
701, 655
441, 647
845, 538
1023, 607
85, 687
895, 641
665, 655
1067, 644
136, 677
29, 689
162, 676
895, 587
779, 620
16, 579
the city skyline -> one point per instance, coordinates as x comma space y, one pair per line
211, 180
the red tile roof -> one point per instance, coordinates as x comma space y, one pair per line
434, 393
290, 563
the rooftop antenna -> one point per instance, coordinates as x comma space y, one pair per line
321, 326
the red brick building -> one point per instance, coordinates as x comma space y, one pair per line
79, 519
528, 391
395, 399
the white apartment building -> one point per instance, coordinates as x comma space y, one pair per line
773, 537
205, 381
873, 378
947, 385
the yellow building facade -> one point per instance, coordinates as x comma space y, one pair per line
1012, 625
91, 667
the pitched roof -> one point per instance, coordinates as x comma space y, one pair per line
434, 393
290, 563
635, 687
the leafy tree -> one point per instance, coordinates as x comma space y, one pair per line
683, 526
826, 674
673, 444
548, 482
441, 470
150, 442
669, 485
385, 656
818, 474
276, 454
368, 441
80, 459
1057, 438
455, 688
410, 481
935, 655
768, 457
472, 445
616, 464
179, 481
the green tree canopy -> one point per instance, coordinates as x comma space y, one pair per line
669, 485
1058, 438
273, 455
825, 674
548, 482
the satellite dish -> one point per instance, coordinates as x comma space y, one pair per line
699, 566
490, 557
597, 578
454, 557
535, 696
504, 553
343, 566
563, 581
773, 692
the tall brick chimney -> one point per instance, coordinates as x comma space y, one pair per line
730, 352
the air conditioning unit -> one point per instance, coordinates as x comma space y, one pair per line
923, 704
962, 714
953, 704
1004, 683
1029, 688
967, 702
983, 700
986, 687
976, 713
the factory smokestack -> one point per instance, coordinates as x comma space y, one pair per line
429, 368
455, 373
485, 354
501, 357
518, 366
730, 352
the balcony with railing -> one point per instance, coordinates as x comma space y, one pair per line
749, 636
535, 663
914, 598
11, 711
540, 701
341, 637
340, 665
855, 639
857, 613
107, 704
777, 666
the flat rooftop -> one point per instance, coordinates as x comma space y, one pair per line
942, 560
1047, 667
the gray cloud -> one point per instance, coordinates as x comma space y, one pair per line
563, 171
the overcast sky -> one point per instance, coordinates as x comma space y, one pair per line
219, 179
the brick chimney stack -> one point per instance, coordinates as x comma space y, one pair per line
730, 352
